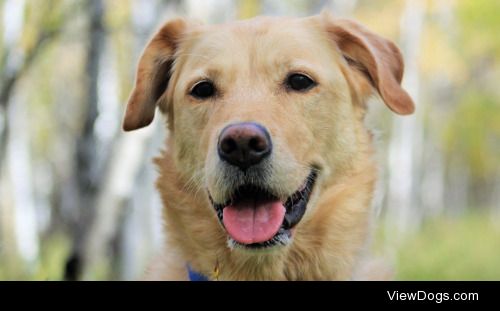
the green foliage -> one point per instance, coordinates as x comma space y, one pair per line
49, 267
480, 25
249, 8
465, 248
473, 133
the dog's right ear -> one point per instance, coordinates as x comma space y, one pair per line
153, 74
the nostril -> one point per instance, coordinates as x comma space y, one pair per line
228, 145
257, 144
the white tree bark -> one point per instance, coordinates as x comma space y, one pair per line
343, 8
405, 147
142, 233
15, 128
121, 182
20, 174
211, 11
90, 155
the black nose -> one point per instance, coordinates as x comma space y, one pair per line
244, 144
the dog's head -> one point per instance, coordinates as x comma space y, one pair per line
265, 113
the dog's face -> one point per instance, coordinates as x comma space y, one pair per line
265, 113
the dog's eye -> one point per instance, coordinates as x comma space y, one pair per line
300, 82
203, 90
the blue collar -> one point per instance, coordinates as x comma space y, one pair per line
195, 276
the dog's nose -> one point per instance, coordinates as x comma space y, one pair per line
244, 144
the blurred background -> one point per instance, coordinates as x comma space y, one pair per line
76, 193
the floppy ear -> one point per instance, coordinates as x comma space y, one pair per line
153, 73
378, 58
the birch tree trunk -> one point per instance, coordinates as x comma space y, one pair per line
125, 230
432, 194
18, 207
343, 8
405, 147
20, 175
87, 168
15, 145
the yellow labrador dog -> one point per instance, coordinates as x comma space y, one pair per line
268, 172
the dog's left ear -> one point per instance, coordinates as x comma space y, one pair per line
378, 58
153, 73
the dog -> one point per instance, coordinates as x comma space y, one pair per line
269, 170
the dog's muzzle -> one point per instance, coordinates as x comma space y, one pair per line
256, 218
252, 212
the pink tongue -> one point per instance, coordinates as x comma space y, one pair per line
251, 222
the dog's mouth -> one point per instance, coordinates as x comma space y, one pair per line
256, 218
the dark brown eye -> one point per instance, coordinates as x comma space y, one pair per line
300, 82
203, 90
